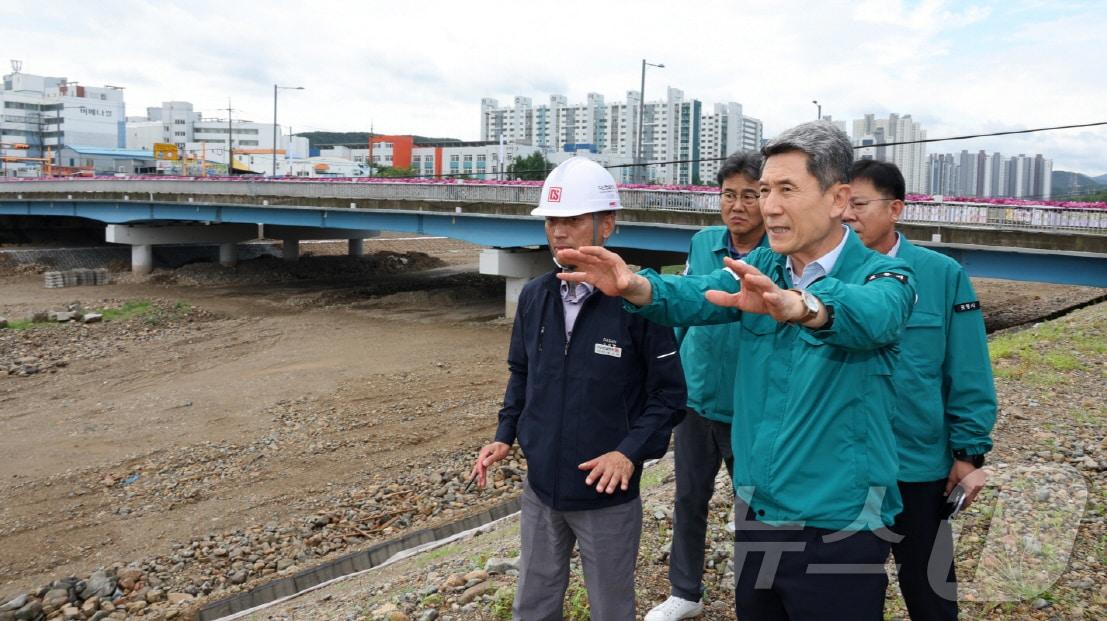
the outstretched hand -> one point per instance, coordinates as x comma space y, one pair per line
605, 271
758, 294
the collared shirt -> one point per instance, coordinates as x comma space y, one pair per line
819, 267
731, 251
573, 296
894, 252
728, 245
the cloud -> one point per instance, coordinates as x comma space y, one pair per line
423, 68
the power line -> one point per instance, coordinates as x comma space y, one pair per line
719, 159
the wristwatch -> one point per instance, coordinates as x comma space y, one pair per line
977, 461
810, 304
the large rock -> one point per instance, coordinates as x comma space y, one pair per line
15, 603
55, 598
129, 577
475, 591
496, 565
180, 598
99, 584
3, 322
30, 612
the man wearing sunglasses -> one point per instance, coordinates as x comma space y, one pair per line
946, 397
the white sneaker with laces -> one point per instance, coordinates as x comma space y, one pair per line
674, 609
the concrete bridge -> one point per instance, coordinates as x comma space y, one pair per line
1035, 243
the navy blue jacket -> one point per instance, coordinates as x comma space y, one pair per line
616, 386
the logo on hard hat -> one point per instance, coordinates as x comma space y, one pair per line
606, 188
555, 195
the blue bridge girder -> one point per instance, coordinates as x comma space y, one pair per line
666, 240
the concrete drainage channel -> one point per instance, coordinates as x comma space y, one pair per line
354, 563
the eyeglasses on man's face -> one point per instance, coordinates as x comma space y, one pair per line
861, 204
748, 197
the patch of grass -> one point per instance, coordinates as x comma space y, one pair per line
652, 477
501, 605
1062, 361
437, 553
434, 600
129, 310
576, 601
146, 311
21, 324
478, 560
672, 269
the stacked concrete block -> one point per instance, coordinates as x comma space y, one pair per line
55, 280
80, 277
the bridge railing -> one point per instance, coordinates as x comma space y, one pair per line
1030, 217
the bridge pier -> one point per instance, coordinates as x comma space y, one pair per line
143, 237
142, 259
290, 249
228, 254
292, 235
357, 247
518, 266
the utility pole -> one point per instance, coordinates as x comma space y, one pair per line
641, 169
230, 134
275, 88
370, 149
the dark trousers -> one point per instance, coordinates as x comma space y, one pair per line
801, 574
702, 445
925, 554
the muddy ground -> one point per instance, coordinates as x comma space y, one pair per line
265, 394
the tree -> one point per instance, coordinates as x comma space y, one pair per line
533, 167
391, 171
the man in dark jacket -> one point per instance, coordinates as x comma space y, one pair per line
594, 391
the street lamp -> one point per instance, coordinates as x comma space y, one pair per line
820, 109
275, 89
641, 116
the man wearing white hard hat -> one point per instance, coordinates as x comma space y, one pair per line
594, 392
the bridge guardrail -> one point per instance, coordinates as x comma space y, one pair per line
1030, 217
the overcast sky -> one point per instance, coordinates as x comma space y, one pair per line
422, 67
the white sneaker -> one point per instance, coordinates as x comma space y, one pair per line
673, 609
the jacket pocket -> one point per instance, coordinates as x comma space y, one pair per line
923, 346
757, 324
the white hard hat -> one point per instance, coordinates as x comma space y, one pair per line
577, 186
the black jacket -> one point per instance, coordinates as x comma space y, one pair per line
617, 385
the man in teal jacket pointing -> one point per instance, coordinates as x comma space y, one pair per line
947, 399
710, 358
815, 460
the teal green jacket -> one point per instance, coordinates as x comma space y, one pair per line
709, 354
812, 429
947, 399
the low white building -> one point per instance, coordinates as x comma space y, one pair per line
41, 114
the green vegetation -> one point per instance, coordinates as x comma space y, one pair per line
1044, 354
654, 476
672, 269
576, 600
501, 605
534, 167
434, 600
142, 310
437, 553
129, 310
393, 172
20, 324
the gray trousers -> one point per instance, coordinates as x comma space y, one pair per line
608, 540
702, 445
